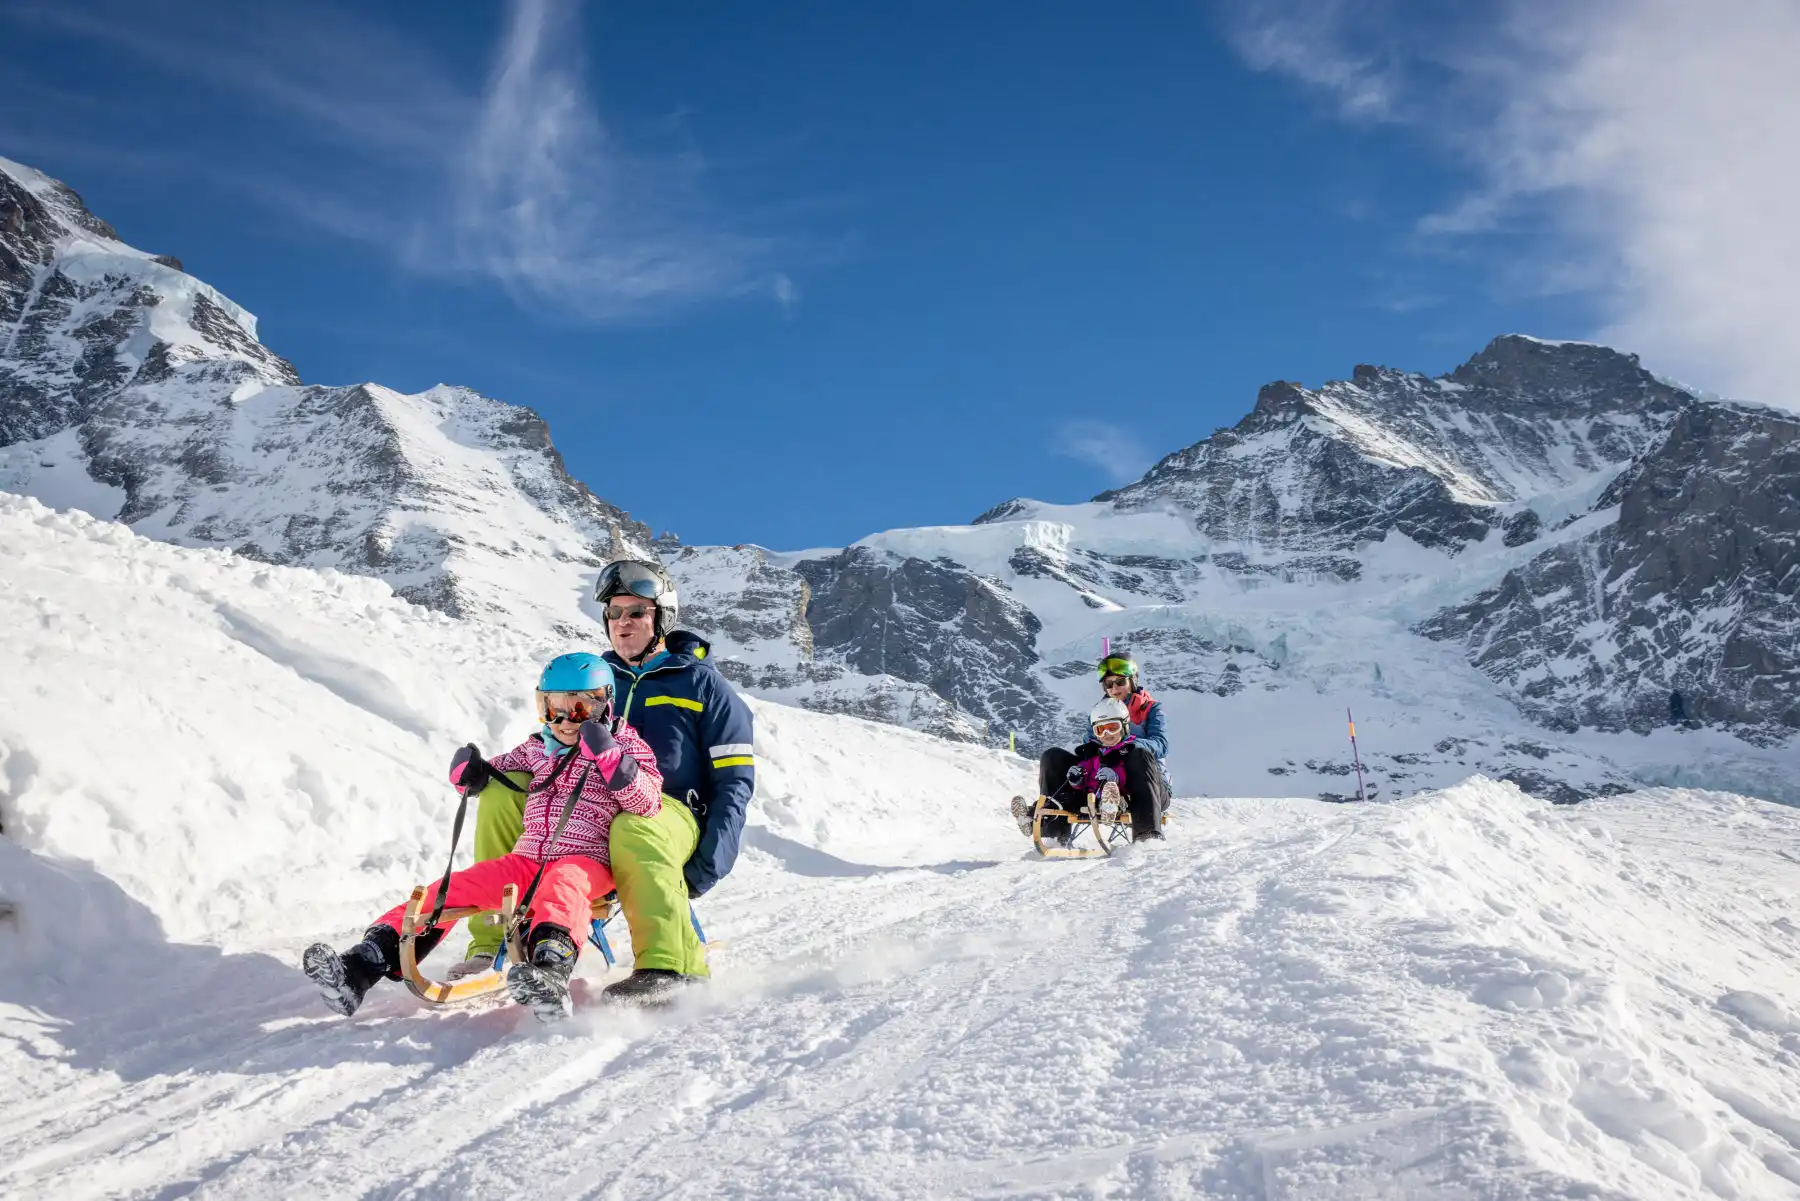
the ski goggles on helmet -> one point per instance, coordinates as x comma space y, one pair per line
1111, 725
572, 706
1117, 665
627, 576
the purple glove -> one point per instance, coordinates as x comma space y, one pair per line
617, 769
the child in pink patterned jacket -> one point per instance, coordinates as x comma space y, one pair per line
578, 747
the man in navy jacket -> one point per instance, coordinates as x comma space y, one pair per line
702, 733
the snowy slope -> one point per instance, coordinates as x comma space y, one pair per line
208, 762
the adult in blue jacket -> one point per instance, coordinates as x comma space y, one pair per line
702, 733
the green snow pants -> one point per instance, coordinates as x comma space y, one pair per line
647, 853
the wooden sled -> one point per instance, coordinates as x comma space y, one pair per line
512, 948
1103, 830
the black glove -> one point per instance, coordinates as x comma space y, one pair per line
1075, 773
469, 771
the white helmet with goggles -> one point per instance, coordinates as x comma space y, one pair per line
646, 581
1109, 712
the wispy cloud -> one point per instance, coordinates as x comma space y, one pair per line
549, 203
1120, 455
517, 180
1315, 42
1649, 148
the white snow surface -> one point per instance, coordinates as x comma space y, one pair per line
206, 763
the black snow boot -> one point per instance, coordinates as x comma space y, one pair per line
543, 984
650, 987
343, 980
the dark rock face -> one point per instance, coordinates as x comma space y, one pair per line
1682, 612
75, 320
961, 634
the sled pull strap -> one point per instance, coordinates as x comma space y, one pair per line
568, 808
462, 811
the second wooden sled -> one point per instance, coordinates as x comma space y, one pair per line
1103, 827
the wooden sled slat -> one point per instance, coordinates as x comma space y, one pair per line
1078, 823
1104, 832
438, 992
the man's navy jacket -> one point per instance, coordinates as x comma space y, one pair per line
702, 733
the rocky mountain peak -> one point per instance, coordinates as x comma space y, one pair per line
1277, 404
134, 390
1538, 374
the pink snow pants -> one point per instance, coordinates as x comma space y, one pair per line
564, 897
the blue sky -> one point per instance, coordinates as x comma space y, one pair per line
796, 273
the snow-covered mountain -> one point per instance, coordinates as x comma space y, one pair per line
208, 762
1502, 570
133, 390
1548, 565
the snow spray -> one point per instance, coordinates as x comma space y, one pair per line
1355, 754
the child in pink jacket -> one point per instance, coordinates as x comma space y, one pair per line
579, 746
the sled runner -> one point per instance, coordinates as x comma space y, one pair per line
1102, 826
437, 992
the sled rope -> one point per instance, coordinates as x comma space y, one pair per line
462, 810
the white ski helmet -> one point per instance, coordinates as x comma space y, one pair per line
646, 581
1109, 710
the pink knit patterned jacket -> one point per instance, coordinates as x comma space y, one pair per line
586, 830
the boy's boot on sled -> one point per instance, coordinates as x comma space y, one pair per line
542, 985
649, 987
343, 980
1022, 809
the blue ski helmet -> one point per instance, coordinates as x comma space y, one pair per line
578, 672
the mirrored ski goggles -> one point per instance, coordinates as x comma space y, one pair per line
635, 578
572, 706
1117, 665
1111, 725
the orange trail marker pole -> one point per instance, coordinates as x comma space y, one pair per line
1355, 755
